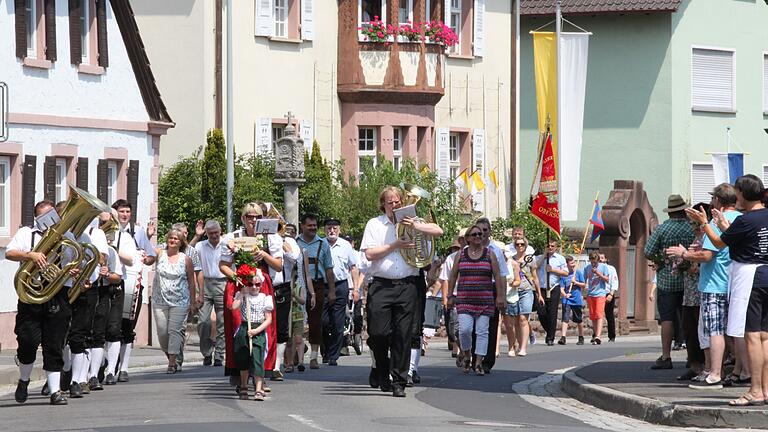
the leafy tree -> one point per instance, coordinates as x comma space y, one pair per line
179, 192
213, 186
319, 195
254, 181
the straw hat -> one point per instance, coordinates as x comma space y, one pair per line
675, 203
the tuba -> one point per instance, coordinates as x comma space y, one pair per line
424, 252
35, 285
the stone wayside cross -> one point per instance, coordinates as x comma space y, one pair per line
289, 169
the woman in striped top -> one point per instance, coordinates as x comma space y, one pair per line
475, 270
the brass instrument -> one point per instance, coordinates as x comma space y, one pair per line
35, 285
272, 213
424, 252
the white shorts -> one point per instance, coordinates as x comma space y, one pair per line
742, 276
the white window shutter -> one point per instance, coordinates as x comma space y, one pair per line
712, 86
478, 164
702, 182
307, 19
263, 136
306, 133
264, 11
479, 29
765, 83
443, 155
447, 12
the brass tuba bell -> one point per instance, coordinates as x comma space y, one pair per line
424, 252
35, 285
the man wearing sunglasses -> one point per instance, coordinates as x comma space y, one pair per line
550, 267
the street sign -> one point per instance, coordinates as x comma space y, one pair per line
3, 112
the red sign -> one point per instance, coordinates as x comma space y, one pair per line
545, 207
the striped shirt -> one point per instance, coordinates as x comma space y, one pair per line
474, 294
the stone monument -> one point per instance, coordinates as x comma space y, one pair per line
289, 169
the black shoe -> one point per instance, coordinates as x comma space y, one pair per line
662, 363
398, 391
44, 391
598, 341
110, 380
416, 377
486, 369
207, 361
301, 367
357, 344
706, 385
409, 381
333, 363
75, 391
373, 378
611, 339
688, 375
216, 363
550, 343
66, 379
122, 376
386, 386
94, 384
21, 391
102, 368
85, 388
58, 398
325, 360
561, 341
581, 341
677, 347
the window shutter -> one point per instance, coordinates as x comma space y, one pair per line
307, 19
28, 180
21, 28
765, 83
101, 32
264, 10
75, 46
263, 144
443, 155
712, 80
306, 133
101, 180
49, 178
478, 164
447, 12
702, 182
479, 28
82, 173
133, 188
765, 174
50, 30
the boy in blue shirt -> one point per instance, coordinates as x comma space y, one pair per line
570, 292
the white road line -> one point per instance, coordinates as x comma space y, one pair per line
307, 422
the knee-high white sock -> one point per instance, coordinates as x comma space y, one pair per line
67, 354
97, 356
78, 368
313, 355
25, 371
113, 352
373, 360
415, 355
280, 355
125, 355
54, 381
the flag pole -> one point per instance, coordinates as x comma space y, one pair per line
558, 30
584, 240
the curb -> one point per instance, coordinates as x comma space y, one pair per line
658, 412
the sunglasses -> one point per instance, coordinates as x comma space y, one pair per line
519, 244
253, 216
476, 234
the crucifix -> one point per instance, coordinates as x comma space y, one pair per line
289, 129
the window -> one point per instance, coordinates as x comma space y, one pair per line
405, 11
112, 170
397, 148
5, 195
278, 131
702, 182
370, 9
30, 11
85, 27
454, 155
281, 18
712, 83
60, 186
455, 23
366, 148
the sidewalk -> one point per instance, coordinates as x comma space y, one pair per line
140, 358
626, 385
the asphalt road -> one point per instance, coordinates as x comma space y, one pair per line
329, 399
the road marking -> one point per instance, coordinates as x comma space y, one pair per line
544, 391
307, 422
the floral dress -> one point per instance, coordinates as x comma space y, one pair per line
171, 287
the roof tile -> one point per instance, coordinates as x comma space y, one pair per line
547, 7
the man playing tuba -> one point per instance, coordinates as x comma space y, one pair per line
393, 294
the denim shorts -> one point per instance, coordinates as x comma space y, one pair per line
524, 304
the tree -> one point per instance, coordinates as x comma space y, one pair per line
179, 193
319, 195
213, 186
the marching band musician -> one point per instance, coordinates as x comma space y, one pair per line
145, 255
393, 294
41, 324
271, 259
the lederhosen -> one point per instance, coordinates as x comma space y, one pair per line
315, 316
128, 326
80, 335
43, 324
283, 308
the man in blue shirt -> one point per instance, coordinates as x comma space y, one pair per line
320, 269
345, 263
550, 267
573, 303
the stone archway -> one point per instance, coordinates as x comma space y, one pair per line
629, 219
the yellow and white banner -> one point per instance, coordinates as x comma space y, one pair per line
567, 134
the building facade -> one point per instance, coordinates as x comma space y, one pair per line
448, 109
83, 110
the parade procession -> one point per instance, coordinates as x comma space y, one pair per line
302, 215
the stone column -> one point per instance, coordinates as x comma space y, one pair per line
289, 171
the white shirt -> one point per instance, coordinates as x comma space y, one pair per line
256, 306
140, 236
275, 251
344, 259
447, 267
380, 231
125, 245
613, 279
290, 259
210, 256
500, 259
23, 240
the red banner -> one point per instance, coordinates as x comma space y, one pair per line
545, 207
